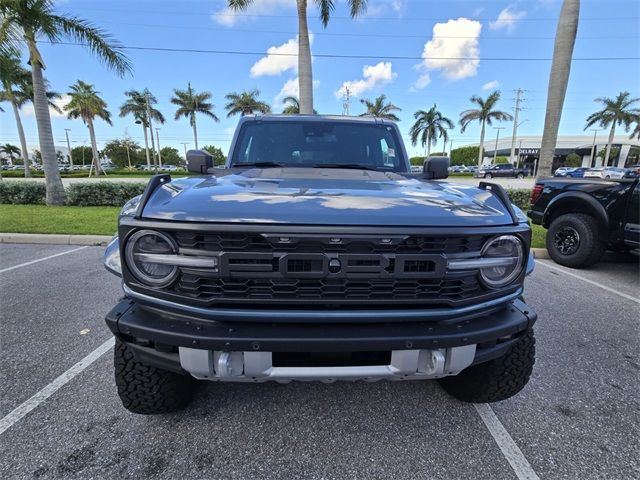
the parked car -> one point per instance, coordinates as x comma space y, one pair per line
563, 171
170, 168
577, 172
316, 255
584, 218
605, 172
500, 170
632, 172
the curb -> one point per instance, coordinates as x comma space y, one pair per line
540, 253
48, 239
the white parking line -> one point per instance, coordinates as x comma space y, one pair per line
24, 408
508, 447
41, 259
591, 282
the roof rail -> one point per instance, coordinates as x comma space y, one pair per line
501, 193
154, 183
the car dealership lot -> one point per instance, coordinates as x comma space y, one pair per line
579, 417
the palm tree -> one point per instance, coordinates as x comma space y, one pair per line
189, 103
485, 114
86, 104
558, 80
140, 105
636, 131
616, 112
305, 74
291, 105
12, 75
10, 151
245, 103
24, 22
430, 125
379, 109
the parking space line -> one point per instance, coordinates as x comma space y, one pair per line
23, 409
42, 259
591, 282
521, 467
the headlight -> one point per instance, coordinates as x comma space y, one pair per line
507, 253
111, 257
145, 246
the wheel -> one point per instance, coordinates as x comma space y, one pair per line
488, 175
520, 175
608, 177
496, 379
573, 240
149, 390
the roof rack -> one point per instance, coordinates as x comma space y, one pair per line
154, 183
501, 193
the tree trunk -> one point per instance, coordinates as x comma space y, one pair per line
94, 147
195, 133
55, 189
558, 80
428, 145
23, 140
146, 145
481, 151
612, 132
305, 72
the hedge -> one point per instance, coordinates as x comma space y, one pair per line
112, 194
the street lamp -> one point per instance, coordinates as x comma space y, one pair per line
159, 165
495, 152
66, 131
184, 144
593, 146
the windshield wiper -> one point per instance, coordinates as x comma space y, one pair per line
259, 164
350, 166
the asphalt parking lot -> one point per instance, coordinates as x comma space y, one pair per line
579, 417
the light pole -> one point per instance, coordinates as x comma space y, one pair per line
153, 146
450, 148
159, 157
495, 152
66, 131
593, 146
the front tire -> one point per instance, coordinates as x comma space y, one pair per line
573, 240
520, 175
488, 175
149, 390
496, 379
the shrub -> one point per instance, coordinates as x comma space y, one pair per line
108, 194
573, 160
31, 193
502, 160
465, 156
417, 160
520, 197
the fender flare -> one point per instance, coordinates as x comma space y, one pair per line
591, 203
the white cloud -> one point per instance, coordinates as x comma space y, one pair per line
453, 49
279, 59
423, 81
229, 18
373, 76
27, 110
491, 85
386, 7
291, 88
508, 19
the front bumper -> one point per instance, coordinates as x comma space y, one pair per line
242, 351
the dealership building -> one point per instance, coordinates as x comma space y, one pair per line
625, 152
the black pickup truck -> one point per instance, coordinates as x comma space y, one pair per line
584, 217
500, 170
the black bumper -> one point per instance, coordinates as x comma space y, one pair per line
161, 330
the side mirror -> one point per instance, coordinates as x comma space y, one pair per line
436, 168
199, 161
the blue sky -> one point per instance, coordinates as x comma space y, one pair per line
508, 30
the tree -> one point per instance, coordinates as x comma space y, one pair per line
430, 125
573, 160
12, 75
636, 131
86, 105
465, 156
380, 108
171, 156
10, 151
292, 106
82, 153
245, 103
558, 81
305, 73
485, 114
123, 153
189, 103
616, 112
140, 105
219, 158
24, 22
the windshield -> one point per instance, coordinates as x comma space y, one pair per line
319, 144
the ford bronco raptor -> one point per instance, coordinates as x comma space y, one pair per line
315, 254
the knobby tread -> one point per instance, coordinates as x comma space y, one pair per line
497, 379
591, 246
149, 390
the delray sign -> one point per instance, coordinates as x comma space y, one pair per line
529, 151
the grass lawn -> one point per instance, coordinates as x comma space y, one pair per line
70, 220
538, 237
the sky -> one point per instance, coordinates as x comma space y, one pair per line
399, 48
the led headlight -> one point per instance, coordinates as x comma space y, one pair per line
504, 260
144, 254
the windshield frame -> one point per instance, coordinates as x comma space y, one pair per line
401, 152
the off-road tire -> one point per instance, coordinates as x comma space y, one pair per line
590, 247
149, 390
496, 379
488, 175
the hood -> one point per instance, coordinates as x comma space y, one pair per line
324, 197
